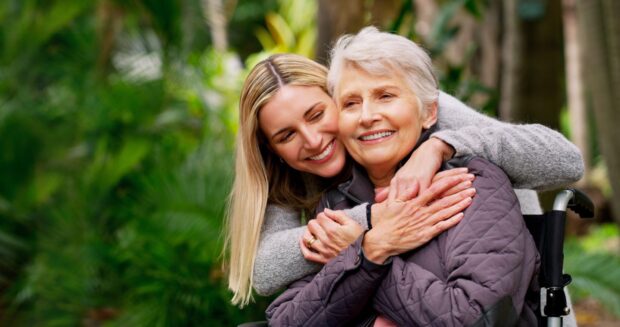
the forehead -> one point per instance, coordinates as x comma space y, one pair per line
354, 79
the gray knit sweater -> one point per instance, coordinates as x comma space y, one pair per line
533, 156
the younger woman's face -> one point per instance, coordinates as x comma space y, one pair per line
301, 126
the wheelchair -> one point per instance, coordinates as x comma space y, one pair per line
548, 233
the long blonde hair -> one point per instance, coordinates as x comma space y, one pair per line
260, 176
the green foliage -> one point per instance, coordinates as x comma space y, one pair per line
594, 264
292, 29
454, 78
113, 182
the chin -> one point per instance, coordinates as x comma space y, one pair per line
332, 170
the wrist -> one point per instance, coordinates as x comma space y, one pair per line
374, 251
373, 215
446, 150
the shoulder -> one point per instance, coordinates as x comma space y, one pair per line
494, 212
274, 210
495, 203
279, 218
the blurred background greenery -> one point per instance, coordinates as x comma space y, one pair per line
117, 124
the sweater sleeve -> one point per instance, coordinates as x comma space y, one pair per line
489, 258
279, 260
532, 155
335, 296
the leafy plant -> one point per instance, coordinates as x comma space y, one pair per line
292, 29
594, 264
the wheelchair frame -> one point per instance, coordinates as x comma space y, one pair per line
548, 233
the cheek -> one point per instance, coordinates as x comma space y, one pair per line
286, 152
346, 125
331, 122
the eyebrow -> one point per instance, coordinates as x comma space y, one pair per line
384, 88
306, 114
380, 88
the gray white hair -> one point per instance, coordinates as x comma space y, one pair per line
380, 54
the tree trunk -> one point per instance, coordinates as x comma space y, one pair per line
600, 34
335, 18
574, 86
338, 17
216, 20
542, 88
489, 47
109, 23
511, 62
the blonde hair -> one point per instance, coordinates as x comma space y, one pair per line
380, 53
260, 176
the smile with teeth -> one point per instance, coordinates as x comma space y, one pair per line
325, 152
376, 136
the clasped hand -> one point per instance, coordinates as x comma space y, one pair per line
401, 222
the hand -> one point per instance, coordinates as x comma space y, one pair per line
467, 183
333, 231
424, 162
402, 226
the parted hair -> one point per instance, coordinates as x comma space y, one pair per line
381, 53
260, 176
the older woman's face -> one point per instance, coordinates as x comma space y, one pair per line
301, 126
380, 119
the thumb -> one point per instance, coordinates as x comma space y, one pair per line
413, 189
337, 216
381, 194
423, 185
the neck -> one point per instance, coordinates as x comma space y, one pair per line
381, 177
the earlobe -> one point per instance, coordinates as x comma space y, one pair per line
431, 116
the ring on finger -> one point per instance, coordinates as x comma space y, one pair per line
311, 241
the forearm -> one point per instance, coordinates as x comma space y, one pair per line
334, 297
279, 261
533, 156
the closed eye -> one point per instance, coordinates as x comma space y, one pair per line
316, 116
348, 104
286, 136
386, 96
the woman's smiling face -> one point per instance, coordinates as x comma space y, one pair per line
301, 126
380, 120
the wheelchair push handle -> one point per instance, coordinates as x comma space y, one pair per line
575, 200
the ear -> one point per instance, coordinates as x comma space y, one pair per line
431, 116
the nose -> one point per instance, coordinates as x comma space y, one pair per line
367, 116
312, 138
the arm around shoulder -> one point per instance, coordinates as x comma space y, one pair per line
532, 155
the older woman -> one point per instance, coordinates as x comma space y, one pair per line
478, 271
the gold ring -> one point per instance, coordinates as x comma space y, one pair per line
310, 242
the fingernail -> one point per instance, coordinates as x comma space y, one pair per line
466, 184
470, 176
